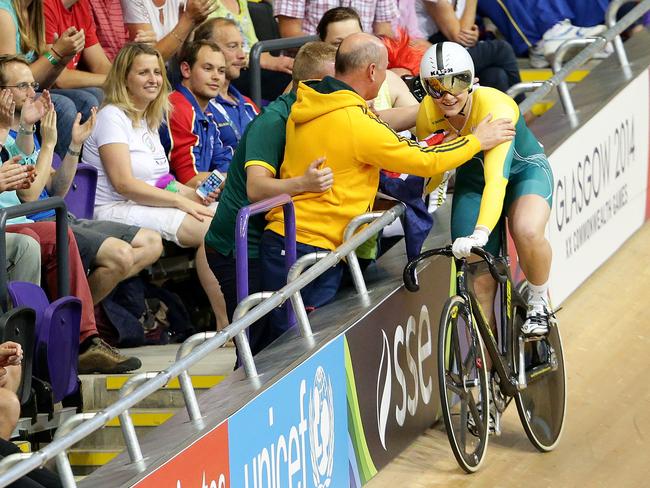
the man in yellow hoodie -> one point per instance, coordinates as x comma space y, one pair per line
331, 119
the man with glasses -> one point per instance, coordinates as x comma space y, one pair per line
514, 178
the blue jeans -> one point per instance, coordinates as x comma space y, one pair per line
67, 103
274, 276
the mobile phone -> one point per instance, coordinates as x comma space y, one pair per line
210, 184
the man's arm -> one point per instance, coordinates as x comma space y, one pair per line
385, 12
290, 26
75, 78
399, 118
261, 182
96, 60
376, 144
60, 182
44, 161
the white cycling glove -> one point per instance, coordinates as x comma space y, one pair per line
462, 246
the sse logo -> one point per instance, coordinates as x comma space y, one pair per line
395, 353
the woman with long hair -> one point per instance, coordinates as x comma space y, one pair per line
126, 149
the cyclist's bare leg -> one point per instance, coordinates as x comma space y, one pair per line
527, 219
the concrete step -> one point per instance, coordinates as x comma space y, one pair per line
86, 461
110, 437
100, 391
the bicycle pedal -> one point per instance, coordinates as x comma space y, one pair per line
497, 423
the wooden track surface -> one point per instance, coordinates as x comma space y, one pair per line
606, 442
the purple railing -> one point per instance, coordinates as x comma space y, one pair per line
241, 240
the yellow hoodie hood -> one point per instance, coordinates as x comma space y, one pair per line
317, 98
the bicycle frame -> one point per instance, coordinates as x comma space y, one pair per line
509, 382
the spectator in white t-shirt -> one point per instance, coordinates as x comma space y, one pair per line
131, 162
170, 21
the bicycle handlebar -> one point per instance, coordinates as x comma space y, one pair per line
410, 274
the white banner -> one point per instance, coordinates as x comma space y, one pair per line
601, 177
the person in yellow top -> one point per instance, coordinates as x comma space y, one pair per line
331, 119
514, 178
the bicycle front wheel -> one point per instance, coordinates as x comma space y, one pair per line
542, 404
463, 382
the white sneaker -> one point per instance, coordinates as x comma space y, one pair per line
565, 30
536, 323
536, 56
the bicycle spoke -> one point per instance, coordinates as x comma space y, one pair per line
477, 416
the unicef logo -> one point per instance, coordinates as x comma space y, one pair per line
321, 429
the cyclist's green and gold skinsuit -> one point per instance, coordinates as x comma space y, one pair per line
487, 184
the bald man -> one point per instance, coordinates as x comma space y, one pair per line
331, 119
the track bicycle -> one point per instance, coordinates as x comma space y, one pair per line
529, 370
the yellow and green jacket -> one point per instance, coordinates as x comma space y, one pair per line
329, 119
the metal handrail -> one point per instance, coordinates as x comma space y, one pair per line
266, 46
586, 54
610, 20
558, 60
53, 203
126, 424
523, 87
353, 261
10, 470
296, 299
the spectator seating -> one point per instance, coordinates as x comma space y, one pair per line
264, 22
18, 325
80, 198
56, 348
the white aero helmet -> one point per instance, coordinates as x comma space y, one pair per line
446, 67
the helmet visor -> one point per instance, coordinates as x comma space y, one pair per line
454, 84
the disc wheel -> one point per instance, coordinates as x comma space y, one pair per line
542, 404
463, 383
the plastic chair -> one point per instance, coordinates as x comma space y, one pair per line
18, 325
56, 348
80, 198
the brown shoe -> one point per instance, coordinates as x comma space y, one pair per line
102, 358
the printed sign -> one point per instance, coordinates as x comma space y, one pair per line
295, 433
203, 465
601, 176
393, 371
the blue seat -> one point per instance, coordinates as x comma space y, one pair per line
56, 347
80, 198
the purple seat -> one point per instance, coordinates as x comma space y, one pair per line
18, 325
80, 198
56, 348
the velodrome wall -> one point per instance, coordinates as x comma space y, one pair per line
601, 187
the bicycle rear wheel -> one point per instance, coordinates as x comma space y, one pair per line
542, 404
463, 382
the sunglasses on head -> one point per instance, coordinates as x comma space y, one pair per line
454, 84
